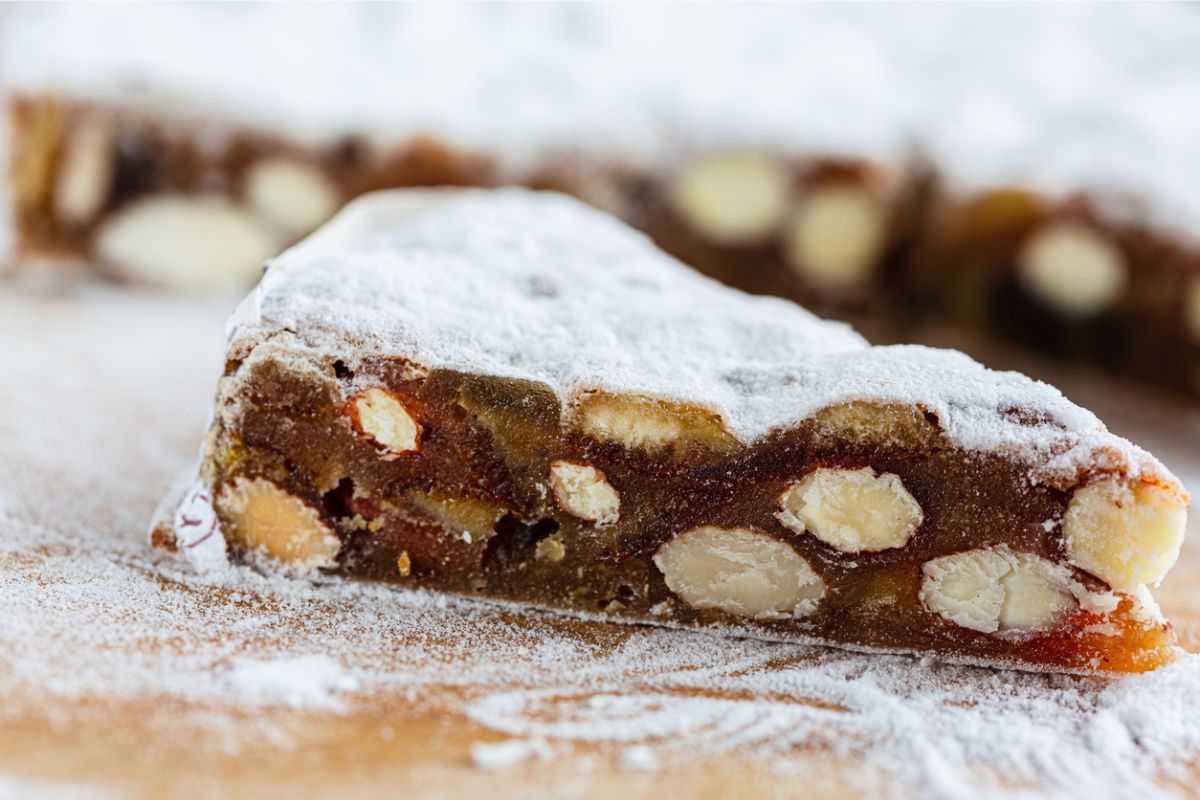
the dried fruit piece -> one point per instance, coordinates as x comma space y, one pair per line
1124, 534
259, 515
470, 519
733, 198
550, 549
739, 571
835, 236
997, 591
1073, 269
379, 415
294, 195
185, 242
85, 172
853, 510
1191, 308
584, 491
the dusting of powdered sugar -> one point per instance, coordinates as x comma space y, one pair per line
311, 681
500, 755
1056, 96
541, 287
186, 510
95, 418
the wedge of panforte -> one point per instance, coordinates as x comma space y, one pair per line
509, 395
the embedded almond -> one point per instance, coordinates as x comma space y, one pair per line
835, 236
740, 571
185, 242
85, 172
852, 510
649, 424
382, 417
1073, 269
293, 195
585, 492
263, 517
996, 590
733, 198
1126, 534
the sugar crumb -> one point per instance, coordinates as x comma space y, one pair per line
502, 755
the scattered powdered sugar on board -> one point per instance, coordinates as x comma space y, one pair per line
923, 723
312, 681
499, 755
639, 758
96, 418
541, 287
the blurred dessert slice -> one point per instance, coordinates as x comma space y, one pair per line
876, 193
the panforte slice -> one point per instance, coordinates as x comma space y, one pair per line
510, 395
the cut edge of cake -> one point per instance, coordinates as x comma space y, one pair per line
367, 285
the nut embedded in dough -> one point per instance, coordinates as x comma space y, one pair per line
379, 415
852, 510
996, 590
733, 198
185, 242
259, 515
85, 172
835, 236
1073, 269
584, 491
291, 194
740, 571
868, 424
1125, 534
649, 424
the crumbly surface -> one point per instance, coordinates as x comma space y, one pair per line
1054, 97
579, 302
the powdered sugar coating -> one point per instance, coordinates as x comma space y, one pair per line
540, 287
1061, 97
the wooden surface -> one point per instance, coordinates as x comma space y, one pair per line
103, 398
